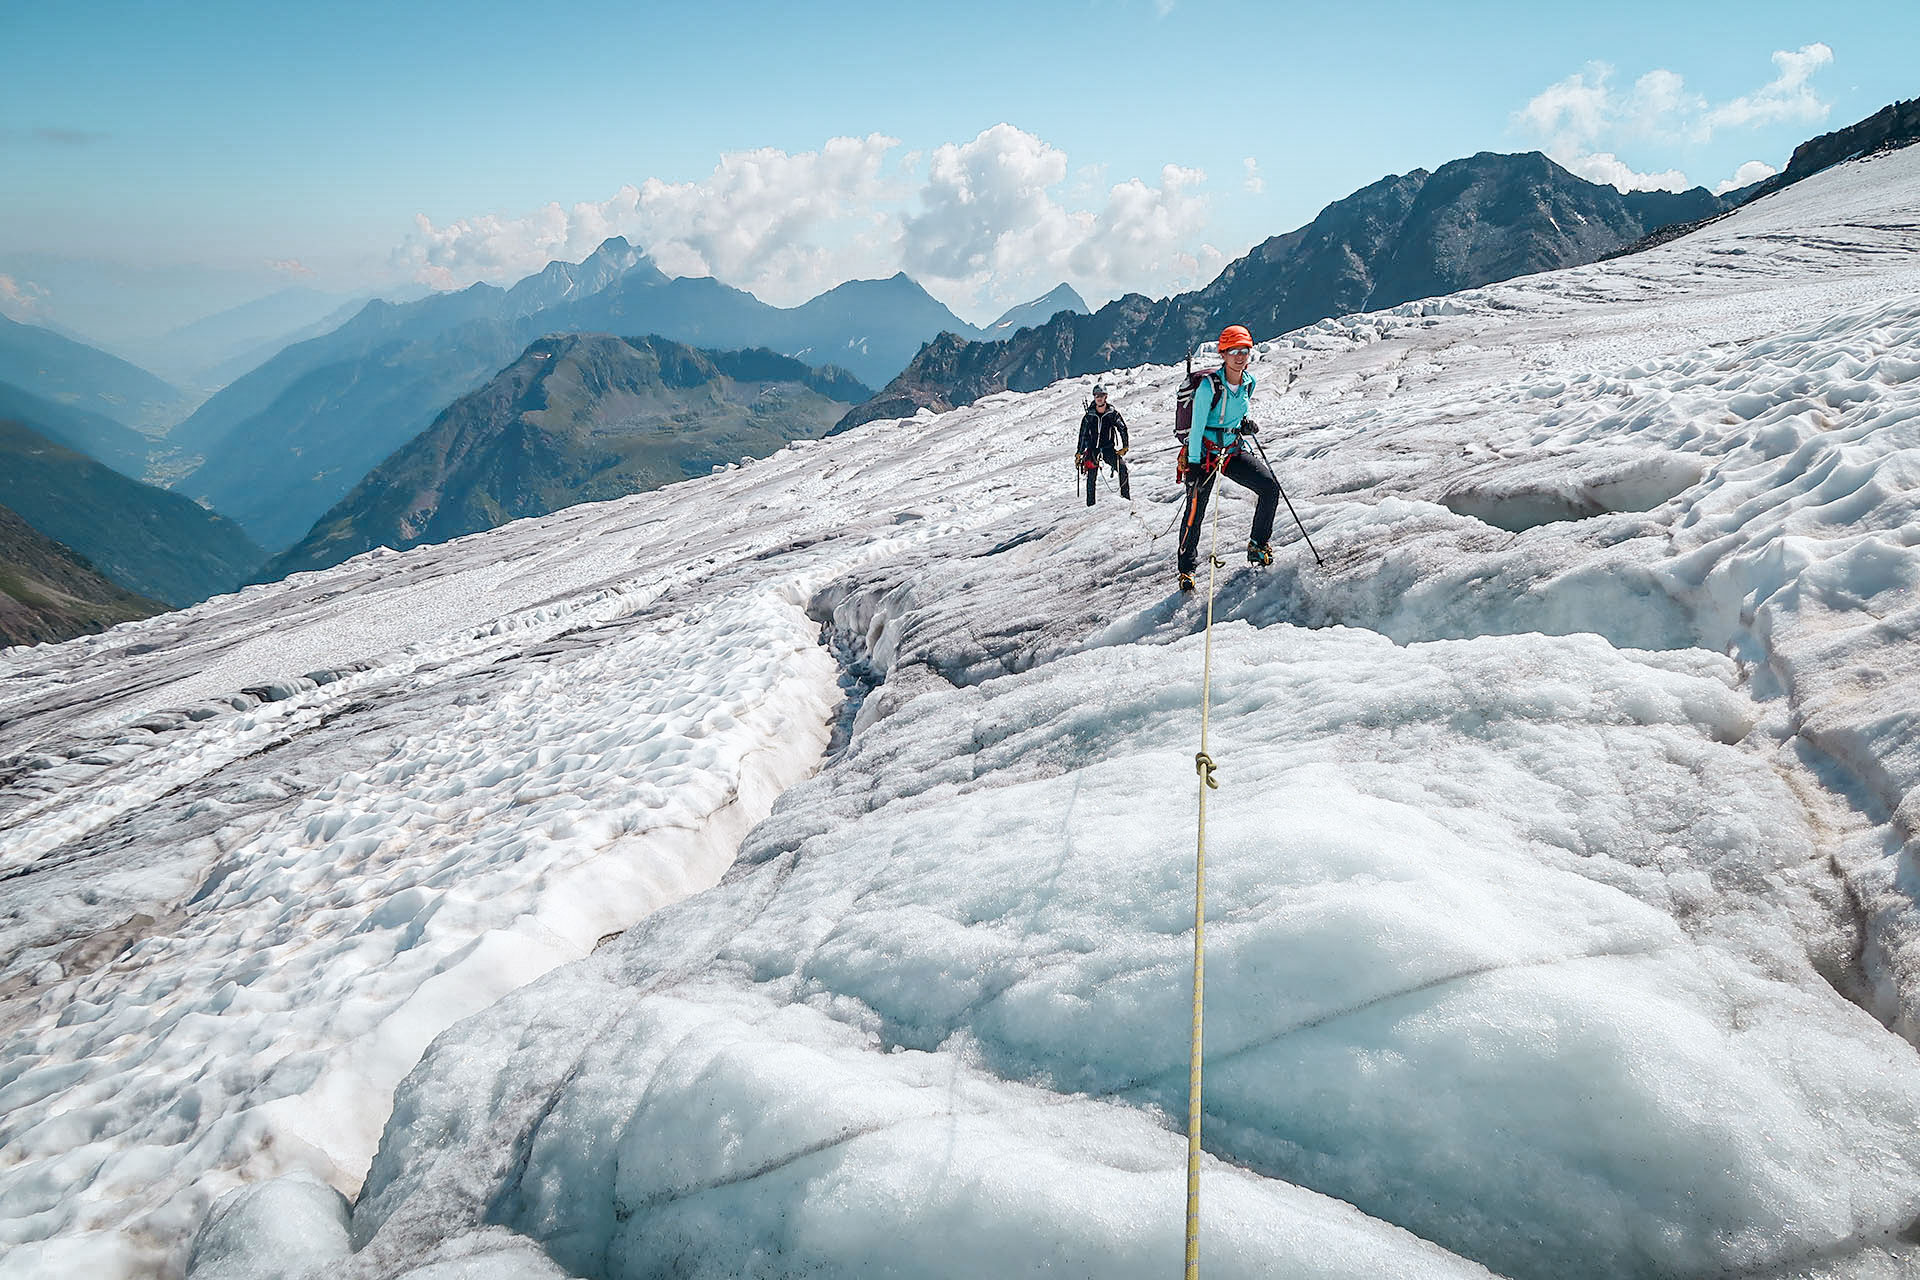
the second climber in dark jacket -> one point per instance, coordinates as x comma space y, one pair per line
1103, 438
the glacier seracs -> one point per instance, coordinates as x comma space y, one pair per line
1562, 875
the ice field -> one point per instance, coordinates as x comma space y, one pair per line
790, 872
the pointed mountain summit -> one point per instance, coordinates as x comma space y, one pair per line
1042, 309
560, 282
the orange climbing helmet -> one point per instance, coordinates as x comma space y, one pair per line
1235, 335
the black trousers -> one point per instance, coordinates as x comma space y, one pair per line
1113, 459
1245, 470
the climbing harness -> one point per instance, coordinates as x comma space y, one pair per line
1203, 765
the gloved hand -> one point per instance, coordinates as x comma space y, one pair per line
1248, 427
1123, 451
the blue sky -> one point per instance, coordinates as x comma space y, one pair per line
990, 149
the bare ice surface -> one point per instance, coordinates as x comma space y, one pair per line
1561, 880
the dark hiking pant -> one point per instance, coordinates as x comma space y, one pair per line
1119, 464
1245, 470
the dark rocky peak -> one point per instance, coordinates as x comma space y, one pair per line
1895, 125
616, 259
898, 286
1061, 297
680, 366
559, 282
1661, 208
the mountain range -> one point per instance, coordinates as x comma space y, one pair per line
287, 441
1474, 221
210, 352
577, 418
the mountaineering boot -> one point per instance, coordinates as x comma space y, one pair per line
1259, 553
1186, 582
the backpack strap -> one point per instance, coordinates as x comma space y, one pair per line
1218, 378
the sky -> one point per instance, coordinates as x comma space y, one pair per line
185, 158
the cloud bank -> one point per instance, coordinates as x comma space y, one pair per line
991, 221
1585, 120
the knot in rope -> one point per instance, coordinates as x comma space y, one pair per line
1203, 765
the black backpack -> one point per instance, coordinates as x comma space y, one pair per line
1183, 401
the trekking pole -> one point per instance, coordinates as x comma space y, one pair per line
1289, 501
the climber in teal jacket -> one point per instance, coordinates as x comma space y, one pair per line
1216, 428
1213, 447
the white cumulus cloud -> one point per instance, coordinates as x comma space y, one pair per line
291, 267
1585, 120
991, 220
1604, 166
764, 220
1745, 176
1254, 182
992, 227
1788, 97
987, 208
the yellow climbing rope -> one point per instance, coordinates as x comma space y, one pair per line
1203, 765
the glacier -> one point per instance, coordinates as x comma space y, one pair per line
790, 872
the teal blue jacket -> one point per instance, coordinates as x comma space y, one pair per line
1218, 423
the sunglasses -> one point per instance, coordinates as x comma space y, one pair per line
1238, 351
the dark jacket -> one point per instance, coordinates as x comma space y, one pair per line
1101, 432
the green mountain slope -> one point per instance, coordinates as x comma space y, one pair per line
577, 418
152, 541
47, 593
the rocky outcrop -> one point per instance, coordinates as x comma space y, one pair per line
1892, 126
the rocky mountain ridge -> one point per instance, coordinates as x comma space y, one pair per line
286, 442
1473, 221
576, 418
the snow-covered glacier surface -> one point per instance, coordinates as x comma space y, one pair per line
1561, 879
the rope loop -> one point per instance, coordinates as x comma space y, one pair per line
1203, 765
